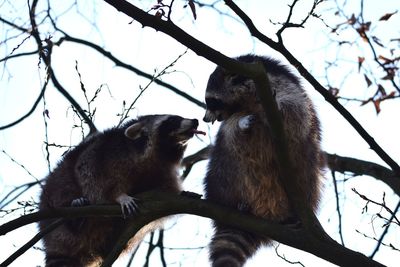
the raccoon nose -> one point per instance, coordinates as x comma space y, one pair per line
209, 117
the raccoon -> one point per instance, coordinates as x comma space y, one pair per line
111, 167
243, 170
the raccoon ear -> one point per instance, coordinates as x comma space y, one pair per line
134, 131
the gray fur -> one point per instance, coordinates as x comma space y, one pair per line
243, 171
111, 167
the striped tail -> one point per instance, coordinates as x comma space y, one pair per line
231, 247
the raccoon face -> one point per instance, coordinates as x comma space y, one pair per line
163, 134
177, 130
227, 94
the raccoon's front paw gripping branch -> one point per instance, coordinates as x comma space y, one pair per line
128, 204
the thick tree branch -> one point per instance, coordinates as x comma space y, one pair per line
315, 234
335, 163
255, 71
156, 205
362, 167
181, 36
279, 46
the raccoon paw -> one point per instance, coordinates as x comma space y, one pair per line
80, 202
245, 122
128, 205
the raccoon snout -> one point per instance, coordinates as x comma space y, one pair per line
210, 116
189, 123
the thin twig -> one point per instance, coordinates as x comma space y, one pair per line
338, 207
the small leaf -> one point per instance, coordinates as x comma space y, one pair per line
387, 60
381, 90
367, 80
193, 8
360, 62
377, 103
389, 76
361, 31
352, 20
387, 16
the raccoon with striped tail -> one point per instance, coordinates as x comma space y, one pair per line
243, 171
111, 167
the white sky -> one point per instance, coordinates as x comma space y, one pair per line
149, 50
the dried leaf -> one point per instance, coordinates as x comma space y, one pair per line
352, 20
193, 8
385, 59
367, 80
362, 33
387, 16
377, 104
366, 26
389, 76
382, 90
360, 62
390, 73
391, 95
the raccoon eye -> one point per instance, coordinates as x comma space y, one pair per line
214, 104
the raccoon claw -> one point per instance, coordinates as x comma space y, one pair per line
80, 202
245, 122
128, 205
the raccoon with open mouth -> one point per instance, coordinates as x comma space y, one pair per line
111, 167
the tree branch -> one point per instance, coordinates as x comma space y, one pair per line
156, 205
362, 167
45, 54
137, 71
278, 46
33, 108
32, 242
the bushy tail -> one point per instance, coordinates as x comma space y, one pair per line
231, 248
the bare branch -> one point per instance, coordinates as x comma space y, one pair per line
338, 207
139, 72
33, 108
278, 46
361, 167
31, 242
380, 240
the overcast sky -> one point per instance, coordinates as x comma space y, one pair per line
152, 51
